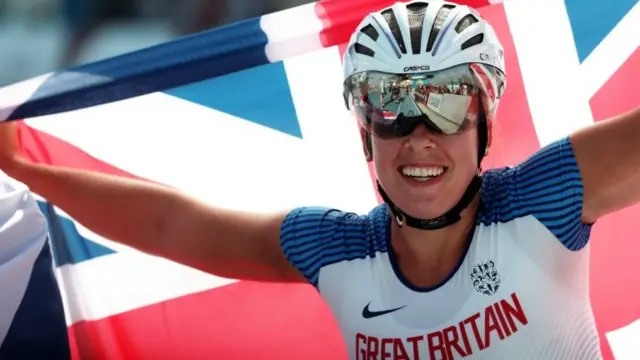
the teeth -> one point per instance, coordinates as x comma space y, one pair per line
422, 171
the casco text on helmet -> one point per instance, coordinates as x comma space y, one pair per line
419, 36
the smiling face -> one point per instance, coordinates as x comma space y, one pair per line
425, 174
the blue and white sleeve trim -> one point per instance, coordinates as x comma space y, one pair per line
314, 237
548, 186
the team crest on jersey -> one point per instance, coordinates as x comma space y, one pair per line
485, 277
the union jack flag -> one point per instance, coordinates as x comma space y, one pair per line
218, 114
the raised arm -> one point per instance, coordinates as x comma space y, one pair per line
157, 219
608, 156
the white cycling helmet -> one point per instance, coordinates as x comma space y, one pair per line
416, 36
446, 46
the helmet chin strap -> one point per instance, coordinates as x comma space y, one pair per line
449, 218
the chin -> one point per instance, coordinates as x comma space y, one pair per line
425, 208
425, 213
424, 201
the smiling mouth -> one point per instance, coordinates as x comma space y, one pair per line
422, 173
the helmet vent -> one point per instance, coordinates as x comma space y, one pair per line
361, 49
370, 31
475, 40
465, 23
391, 20
441, 17
416, 12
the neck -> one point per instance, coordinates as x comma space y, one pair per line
427, 257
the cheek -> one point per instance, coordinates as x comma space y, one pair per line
464, 152
384, 154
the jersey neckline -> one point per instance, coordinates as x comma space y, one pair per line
386, 232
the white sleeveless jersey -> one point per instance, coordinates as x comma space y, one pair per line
521, 291
28, 302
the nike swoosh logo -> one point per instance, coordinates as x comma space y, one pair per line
368, 314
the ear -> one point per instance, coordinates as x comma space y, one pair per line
489, 135
366, 144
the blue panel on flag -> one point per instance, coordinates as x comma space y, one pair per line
259, 94
591, 21
166, 66
69, 247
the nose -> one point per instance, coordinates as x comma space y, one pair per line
421, 138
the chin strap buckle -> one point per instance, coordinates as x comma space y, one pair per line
398, 217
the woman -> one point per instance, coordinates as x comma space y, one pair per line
457, 262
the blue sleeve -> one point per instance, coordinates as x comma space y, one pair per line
314, 237
547, 186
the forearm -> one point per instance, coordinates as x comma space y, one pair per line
164, 222
608, 155
132, 212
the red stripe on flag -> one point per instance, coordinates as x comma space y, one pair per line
621, 93
614, 268
246, 320
614, 244
43, 148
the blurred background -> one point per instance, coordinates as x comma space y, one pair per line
39, 36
